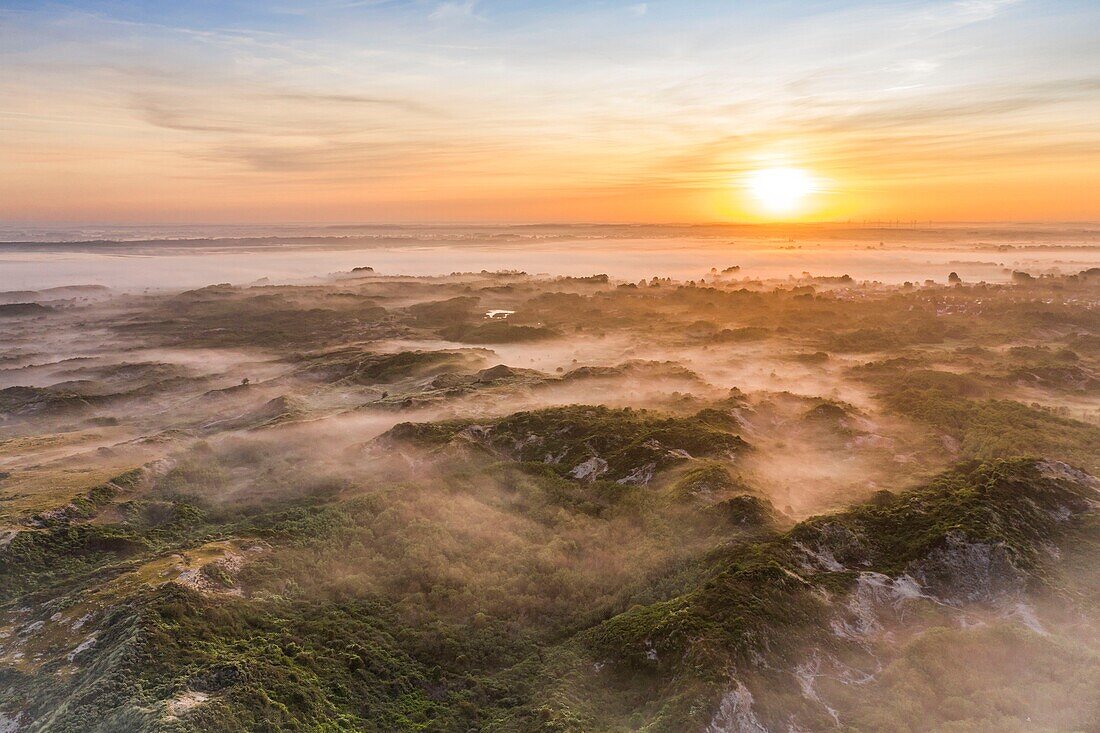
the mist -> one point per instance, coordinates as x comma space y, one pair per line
738, 501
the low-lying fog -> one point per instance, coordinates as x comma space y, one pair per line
578, 475
887, 255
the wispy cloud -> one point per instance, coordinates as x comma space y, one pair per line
950, 15
451, 10
387, 99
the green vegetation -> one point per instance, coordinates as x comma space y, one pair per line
339, 526
392, 636
355, 366
773, 603
462, 309
495, 332
222, 315
587, 443
992, 428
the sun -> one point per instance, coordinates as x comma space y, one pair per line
780, 191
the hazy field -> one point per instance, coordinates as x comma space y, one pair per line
575, 479
134, 258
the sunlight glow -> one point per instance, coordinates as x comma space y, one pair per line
780, 191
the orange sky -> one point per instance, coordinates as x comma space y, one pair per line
482, 111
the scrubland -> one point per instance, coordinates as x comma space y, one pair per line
507, 502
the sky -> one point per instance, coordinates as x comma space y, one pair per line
356, 111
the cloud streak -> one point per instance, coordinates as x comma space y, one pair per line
394, 101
